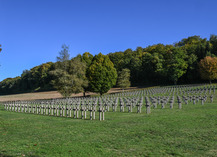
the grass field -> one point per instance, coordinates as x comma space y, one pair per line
191, 131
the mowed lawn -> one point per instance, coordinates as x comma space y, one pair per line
191, 131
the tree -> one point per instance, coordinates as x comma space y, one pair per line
176, 65
10, 85
213, 41
208, 68
40, 77
152, 68
101, 74
63, 54
77, 70
192, 74
62, 80
71, 81
25, 80
45, 78
195, 45
87, 59
124, 79
117, 59
69, 75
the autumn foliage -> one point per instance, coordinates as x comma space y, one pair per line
208, 68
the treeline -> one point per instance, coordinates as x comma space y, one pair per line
35, 79
154, 65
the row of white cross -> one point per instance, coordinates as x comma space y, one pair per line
56, 110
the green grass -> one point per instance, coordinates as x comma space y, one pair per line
191, 131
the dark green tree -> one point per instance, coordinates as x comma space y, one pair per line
177, 65
213, 41
152, 68
117, 59
192, 74
101, 74
25, 83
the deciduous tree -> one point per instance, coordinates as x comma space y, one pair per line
124, 79
208, 68
87, 59
69, 75
176, 66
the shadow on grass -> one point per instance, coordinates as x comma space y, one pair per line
5, 155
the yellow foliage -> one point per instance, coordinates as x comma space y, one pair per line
208, 68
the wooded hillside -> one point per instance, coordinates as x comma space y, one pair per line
154, 65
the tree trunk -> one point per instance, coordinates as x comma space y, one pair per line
210, 82
84, 94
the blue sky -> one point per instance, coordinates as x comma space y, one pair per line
32, 31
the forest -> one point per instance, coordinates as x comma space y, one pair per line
158, 64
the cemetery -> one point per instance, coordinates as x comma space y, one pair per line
143, 120
107, 117
132, 78
133, 101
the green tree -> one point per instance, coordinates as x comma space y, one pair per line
25, 81
62, 80
101, 74
117, 59
63, 54
87, 59
195, 45
123, 80
192, 74
40, 77
10, 85
45, 77
77, 69
213, 41
69, 75
152, 68
177, 65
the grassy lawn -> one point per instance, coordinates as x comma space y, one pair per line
191, 131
